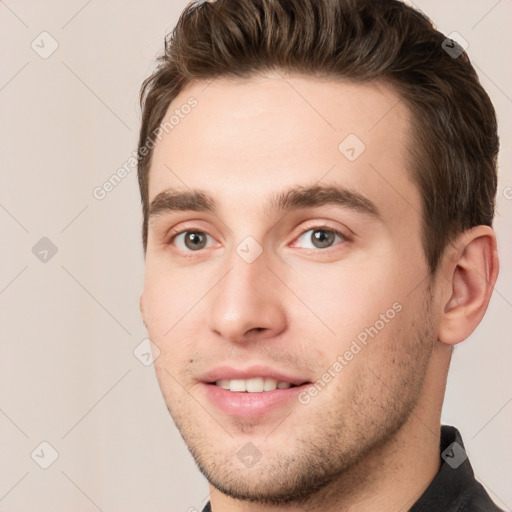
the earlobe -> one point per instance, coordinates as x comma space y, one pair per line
472, 269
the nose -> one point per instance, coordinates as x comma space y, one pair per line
247, 304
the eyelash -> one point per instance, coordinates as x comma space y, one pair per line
343, 236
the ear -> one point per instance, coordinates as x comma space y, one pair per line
471, 269
141, 307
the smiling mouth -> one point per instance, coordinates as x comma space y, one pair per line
254, 396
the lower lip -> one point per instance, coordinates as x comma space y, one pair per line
250, 405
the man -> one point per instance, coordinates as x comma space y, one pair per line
318, 181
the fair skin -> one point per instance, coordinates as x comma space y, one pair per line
369, 440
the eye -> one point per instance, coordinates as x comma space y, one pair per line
319, 238
191, 240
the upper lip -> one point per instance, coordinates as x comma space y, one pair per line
230, 373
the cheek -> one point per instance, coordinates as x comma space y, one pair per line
177, 399
384, 359
171, 367
346, 300
166, 299
167, 307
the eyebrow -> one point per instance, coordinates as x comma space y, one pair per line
292, 199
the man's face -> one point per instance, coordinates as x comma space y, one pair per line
263, 283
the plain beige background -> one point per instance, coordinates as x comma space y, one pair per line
70, 324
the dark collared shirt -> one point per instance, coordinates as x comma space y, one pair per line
454, 488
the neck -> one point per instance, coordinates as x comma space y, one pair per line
393, 476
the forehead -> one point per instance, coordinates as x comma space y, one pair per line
245, 139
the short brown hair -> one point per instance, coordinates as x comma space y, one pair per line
455, 147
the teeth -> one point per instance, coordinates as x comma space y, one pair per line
237, 385
223, 384
254, 385
269, 385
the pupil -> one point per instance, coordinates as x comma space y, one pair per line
195, 240
322, 238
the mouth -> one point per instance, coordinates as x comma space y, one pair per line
253, 393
